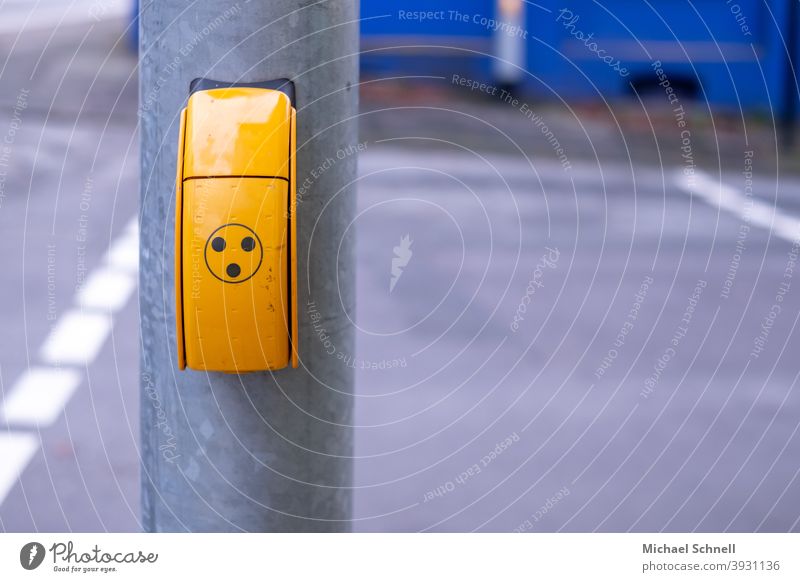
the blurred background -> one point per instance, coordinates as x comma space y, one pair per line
577, 240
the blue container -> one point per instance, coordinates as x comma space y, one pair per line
730, 53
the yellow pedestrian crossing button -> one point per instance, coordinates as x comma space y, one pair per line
236, 228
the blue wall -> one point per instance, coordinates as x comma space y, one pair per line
730, 54
395, 44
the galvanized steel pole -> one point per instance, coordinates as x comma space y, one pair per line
262, 451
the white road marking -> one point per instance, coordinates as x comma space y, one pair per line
106, 290
16, 451
76, 338
758, 213
124, 252
27, 15
39, 396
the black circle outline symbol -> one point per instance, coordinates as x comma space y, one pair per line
208, 242
25, 552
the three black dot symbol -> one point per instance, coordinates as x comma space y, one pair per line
242, 257
248, 244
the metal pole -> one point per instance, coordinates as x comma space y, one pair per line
262, 451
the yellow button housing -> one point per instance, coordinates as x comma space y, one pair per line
235, 231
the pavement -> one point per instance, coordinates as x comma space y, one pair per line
600, 338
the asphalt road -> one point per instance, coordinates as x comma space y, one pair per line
596, 335
69, 189
541, 346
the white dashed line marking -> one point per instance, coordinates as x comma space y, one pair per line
106, 290
76, 338
750, 208
40, 395
16, 451
48, 14
124, 252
